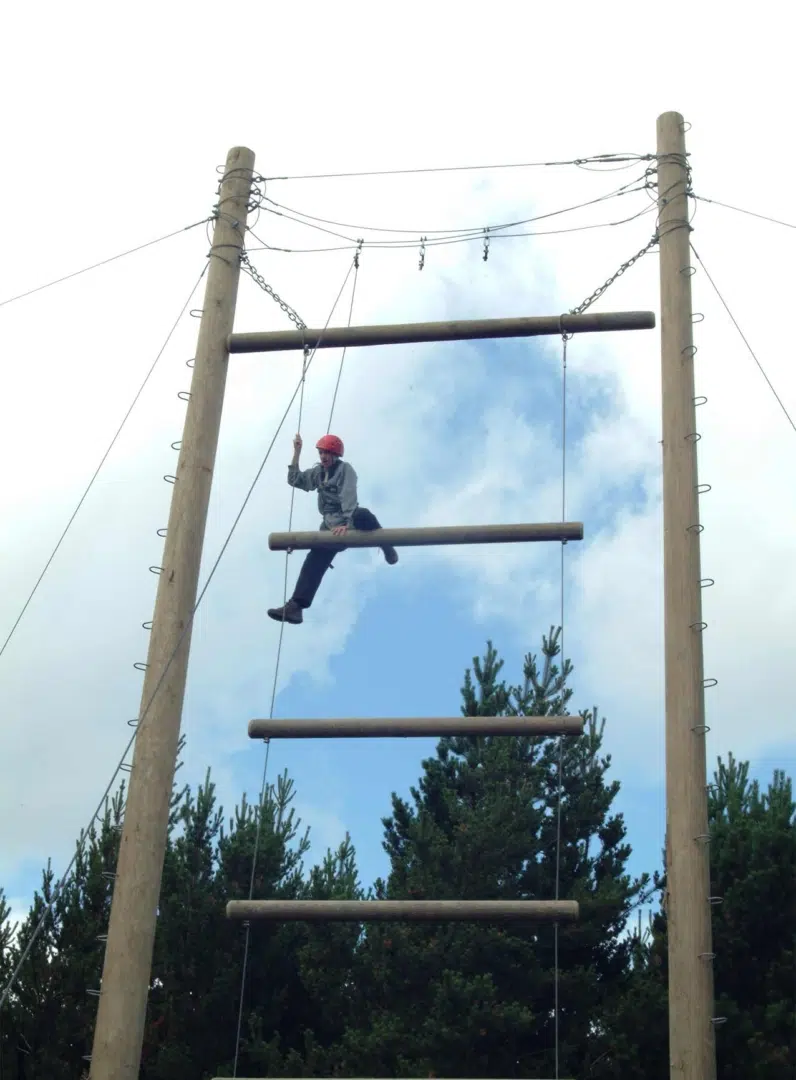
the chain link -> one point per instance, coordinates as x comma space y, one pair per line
255, 275
625, 266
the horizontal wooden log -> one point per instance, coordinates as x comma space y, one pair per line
415, 727
351, 337
430, 536
403, 910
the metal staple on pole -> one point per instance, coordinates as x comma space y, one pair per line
691, 992
119, 1029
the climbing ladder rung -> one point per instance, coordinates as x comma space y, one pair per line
429, 536
404, 910
336, 337
415, 727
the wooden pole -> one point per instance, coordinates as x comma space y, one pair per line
404, 910
459, 330
128, 954
692, 1053
429, 536
418, 727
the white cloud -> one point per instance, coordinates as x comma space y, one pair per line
76, 353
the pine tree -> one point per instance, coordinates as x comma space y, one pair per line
9, 1039
754, 866
51, 1005
753, 875
478, 1000
294, 999
299, 986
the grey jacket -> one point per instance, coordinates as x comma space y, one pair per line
336, 487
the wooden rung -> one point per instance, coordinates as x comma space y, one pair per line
403, 910
429, 536
351, 337
415, 727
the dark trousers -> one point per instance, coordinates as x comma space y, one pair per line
319, 560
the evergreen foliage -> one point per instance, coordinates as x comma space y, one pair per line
457, 1000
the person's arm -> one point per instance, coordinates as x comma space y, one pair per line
305, 480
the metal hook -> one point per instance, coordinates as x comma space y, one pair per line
699, 626
706, 582
162, 532
690, 270
693, 350
147, 625
703, 489
139, 666
700, 400
695, 528
184, 395
191, 362
697, 317
694, 436
170, 478
700, 729
177, 445
156, 569
196, 313
707, 684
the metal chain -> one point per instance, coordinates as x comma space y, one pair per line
255, 275
625, 266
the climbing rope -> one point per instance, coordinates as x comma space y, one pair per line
264, 781
307, 359
564, 339
350, 314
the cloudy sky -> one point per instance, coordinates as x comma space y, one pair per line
117, 126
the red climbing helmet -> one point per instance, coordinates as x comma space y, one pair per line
330, 443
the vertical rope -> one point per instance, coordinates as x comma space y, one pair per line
307, 359
563, 661
264, 783
342, 358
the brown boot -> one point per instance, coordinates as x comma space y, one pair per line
390, 555
290, 613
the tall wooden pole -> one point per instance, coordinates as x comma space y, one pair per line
128, 954
692, 1054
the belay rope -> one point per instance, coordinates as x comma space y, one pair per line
564, 338
306, 360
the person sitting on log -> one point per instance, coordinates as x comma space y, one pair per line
336, 483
